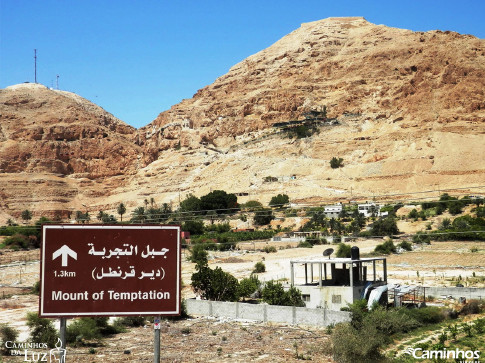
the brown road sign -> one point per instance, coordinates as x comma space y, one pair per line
96, 270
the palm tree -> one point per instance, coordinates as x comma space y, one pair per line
121, 210
139, 215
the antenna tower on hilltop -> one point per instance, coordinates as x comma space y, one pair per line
57, 82
35, 65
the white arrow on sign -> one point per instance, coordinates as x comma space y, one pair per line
64, 252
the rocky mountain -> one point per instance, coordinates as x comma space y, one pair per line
408, 107
349, 65
53, 144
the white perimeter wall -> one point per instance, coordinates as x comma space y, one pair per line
266, 313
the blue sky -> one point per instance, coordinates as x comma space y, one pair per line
137, 58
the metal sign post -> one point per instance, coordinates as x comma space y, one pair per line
62, 333
156, 340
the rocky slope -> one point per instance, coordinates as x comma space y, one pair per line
387, 75
54, 143
410, 107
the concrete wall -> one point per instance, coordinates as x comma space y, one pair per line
266, 313
456, 292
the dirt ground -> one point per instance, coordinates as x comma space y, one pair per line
196, 340
219, 340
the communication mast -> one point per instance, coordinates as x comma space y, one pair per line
35, 65
57, 82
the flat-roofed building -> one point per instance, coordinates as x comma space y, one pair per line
334, 283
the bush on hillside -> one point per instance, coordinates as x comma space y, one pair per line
259, 267
343, 250
7, 334
405, 245
42, 330
385, 248
248, 286
273, 293
215, 285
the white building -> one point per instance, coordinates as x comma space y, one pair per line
368, 208
336, 282
332, 211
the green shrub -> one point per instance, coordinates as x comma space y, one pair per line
17, 242
467, 328
305, 244
7, 334
279, 200
385, 248
413, 214
405, 245
85, 331
369, 331
198, 254
252, 204
194, 227
130, 321
480, 212
385, 227
352, 345
343, 250
273, 293
358, 309
82, 330
294, 298
455, 208
215, 284
472, 307
248, 286
426, 315
422, 238
42, 330
479, 325
336, 162
218, 227
269, 249
36, 288
259, 267
263, 217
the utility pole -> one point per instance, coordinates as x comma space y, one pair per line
57, 82
35, 65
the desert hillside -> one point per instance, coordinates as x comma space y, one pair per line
54, 144
408, 107
388, 76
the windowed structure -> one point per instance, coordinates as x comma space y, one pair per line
334, 283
